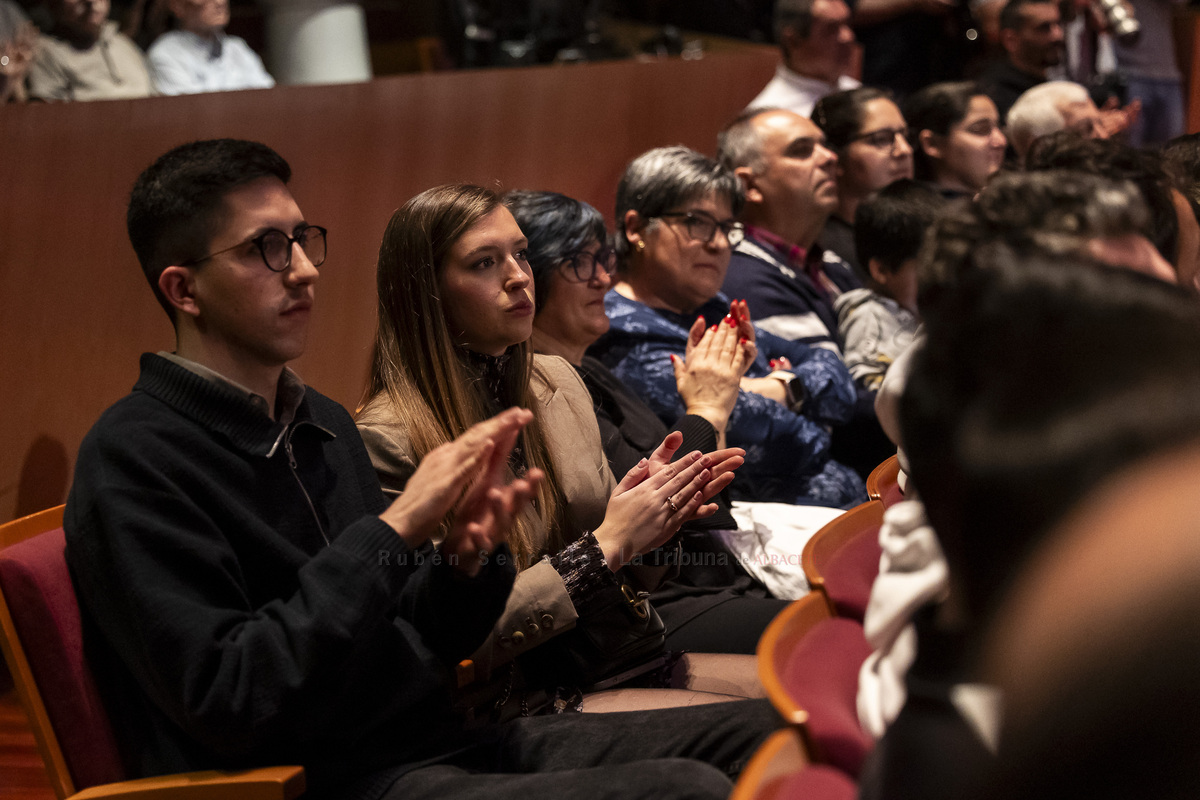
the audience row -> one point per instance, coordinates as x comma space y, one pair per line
266, 578
82, 55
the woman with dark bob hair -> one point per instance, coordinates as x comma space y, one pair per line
452, 348
676, 226
865, 128
957, 141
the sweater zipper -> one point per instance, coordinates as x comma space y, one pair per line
287, 447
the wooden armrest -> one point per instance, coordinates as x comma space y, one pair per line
264, 783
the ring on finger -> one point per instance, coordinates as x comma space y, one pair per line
671, 503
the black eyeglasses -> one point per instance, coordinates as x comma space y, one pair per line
275, 247
882, 139
581, 267
702, 227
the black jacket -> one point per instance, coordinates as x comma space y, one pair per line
244, 605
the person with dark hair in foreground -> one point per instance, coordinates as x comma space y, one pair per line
1105, 670
1172, 229
249, 596
1038, 378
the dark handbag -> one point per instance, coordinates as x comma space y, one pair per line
621, 636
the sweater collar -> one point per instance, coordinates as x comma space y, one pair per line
221, 406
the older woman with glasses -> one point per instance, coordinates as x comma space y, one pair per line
676, 226
867, 131
957, 138
713, 605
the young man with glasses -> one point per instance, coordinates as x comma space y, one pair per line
251, 598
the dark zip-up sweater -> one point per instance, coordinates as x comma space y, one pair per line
243, 603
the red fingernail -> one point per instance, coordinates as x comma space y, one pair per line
743, 340
700, 317
713, 328
672, 358
773, 362
730, 321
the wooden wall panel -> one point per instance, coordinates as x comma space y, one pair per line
75, 311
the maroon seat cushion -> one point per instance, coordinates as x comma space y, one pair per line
892, 494
821, 674
814, 782
850, 573
45, 612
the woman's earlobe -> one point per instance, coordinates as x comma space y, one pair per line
631, 228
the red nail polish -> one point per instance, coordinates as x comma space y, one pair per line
729, 321
700, 317
773, 362
713, 328
743, 340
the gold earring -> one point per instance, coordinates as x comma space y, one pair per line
641, 245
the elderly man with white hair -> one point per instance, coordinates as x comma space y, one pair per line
1051, 107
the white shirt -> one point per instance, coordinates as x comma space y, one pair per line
796, 92
183, 63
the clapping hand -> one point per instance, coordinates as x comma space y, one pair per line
484, 516
658, 495
466, 475
716, 359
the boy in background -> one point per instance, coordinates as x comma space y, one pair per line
877, 323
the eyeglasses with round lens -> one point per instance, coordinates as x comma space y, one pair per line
581, 267
882, 139
702, 227
275, 247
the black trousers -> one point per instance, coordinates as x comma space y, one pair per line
688, 752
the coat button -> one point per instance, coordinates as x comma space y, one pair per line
518, 638
547, 621
505, 641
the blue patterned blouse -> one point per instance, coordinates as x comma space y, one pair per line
787, 453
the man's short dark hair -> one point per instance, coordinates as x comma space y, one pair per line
794, 14
891, 225
1010, 15
1115, 161
176, 202
1039, 378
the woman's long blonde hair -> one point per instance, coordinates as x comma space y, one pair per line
417, 363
